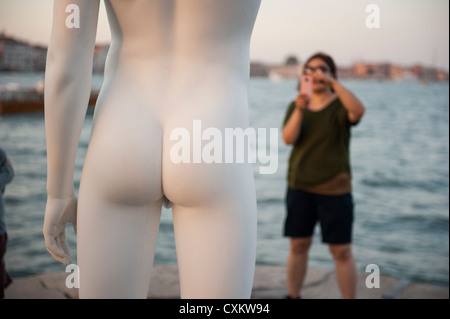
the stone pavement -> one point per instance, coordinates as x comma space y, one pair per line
269, 283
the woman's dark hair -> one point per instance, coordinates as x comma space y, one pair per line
327, 59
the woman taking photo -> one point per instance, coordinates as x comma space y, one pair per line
319, 176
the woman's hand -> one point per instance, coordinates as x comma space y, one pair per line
302, 102
58, 213
325, 77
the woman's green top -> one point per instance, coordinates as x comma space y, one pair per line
322, 149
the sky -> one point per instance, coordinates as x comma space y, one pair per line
410, 32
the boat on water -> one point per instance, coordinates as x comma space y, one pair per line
16, 99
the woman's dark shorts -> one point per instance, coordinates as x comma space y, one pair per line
335, 214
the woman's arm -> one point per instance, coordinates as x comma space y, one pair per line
68, 79
353, 105
291, 130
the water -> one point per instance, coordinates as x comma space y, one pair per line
400, 160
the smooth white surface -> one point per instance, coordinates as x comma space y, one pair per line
170, 62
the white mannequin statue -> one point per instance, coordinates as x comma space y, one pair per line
170, 62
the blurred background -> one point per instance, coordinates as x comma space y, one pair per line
399, 152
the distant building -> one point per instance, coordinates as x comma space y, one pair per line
39, 58
424, 73
345, 72
371, 70
442, 76
379, 71
16, 55
258, 70
21, 56
286, 71
397, 72
292, 60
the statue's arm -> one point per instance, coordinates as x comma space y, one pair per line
68, 79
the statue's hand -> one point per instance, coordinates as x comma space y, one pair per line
58, 213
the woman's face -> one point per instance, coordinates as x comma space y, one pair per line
315, 67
